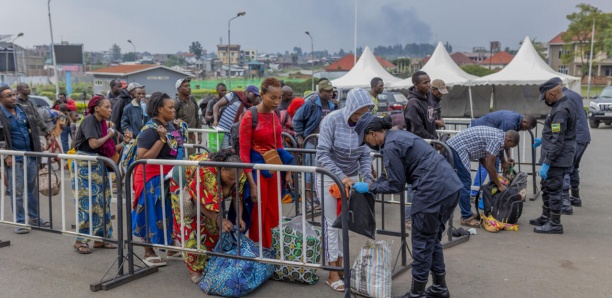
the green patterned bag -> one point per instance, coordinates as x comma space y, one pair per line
292, 243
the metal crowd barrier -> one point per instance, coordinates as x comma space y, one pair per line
139, 272
61, 160
201, 135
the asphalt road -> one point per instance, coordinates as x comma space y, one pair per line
506, 264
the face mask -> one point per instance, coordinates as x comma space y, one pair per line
548, 104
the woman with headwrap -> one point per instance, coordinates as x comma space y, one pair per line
201, 185
94, 137
162, 137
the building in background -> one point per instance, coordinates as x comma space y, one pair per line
248, 55
602, 61
234, 54
499, 60
153, 77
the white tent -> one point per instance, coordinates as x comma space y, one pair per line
441, 66
527, 68
366, 68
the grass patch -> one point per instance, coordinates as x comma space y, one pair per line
595, 90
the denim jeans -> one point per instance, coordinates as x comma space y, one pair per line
481, 175
64, 136
466, 180
32, 195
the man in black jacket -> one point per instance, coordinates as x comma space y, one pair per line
23, 98
124, 99
19, 134
558, 151
419, 112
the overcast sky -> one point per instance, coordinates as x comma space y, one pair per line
163, 26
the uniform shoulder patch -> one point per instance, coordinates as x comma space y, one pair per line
555, 127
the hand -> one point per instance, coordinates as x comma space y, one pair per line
300, 141
544, 171
289, 179
537, 142
242, 226
9, 161
361, 187
501, 187
127, 137
505, 166
254, 193
215, 123
178, 122
374, 174
348, 183
226, 225
111, 132
161, 131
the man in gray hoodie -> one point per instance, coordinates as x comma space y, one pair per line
340, 152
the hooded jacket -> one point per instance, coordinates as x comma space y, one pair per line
308, 116
338, 149
420, 115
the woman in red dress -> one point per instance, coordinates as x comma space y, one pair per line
253, 144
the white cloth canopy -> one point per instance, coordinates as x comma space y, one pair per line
441, 66
527, 68
366, 68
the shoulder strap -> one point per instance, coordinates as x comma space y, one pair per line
254, 116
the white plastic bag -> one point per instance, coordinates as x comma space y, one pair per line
372, 270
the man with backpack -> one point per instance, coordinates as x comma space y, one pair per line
221, 91
230, 108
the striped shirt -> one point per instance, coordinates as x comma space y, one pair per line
229, 114
475, 142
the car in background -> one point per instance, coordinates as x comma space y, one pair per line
40, 101
600, 109
391, 102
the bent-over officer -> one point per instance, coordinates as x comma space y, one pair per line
408, 158
558, 150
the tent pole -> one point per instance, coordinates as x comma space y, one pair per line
471, 102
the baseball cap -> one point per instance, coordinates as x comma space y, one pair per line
361, 125
548, 85
133, 86
325, 85
179, 82
253, 89
440, 85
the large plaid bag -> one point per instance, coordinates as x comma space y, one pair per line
293, 250
371, 273
232, 277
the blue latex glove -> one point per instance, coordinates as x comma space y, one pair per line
544, 171
360, 187
537, 142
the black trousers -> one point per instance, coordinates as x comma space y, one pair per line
552, 188
427, 229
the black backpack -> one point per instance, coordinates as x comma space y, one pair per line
235, 129
506, 206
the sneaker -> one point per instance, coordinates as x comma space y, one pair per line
470, 222
21, 230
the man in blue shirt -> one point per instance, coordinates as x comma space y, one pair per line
19, 135
504, 120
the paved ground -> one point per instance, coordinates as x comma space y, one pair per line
506, 264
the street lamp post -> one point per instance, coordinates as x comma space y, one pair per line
135, 57
311, 59
53, 51
229, 43
7, 56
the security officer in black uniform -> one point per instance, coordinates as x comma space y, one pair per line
407, 158
558, 150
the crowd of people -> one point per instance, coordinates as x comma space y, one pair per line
341, 134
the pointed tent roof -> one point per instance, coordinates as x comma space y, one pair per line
441, 66
527, 68
361, 74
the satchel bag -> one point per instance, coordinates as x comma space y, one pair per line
233, 277
360, 215
43, 182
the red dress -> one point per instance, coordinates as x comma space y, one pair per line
261, 140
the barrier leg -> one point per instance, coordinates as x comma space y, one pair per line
4, 243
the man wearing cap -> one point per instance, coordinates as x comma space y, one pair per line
438, 88
407, 158
133, 118
230, 108
376, 88
419, 112
125, 98
558, 152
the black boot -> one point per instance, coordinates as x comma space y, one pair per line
438, 289
543, 219
575, 198
567, 206
553, 226
417, 290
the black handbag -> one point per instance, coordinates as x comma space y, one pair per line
360, 215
